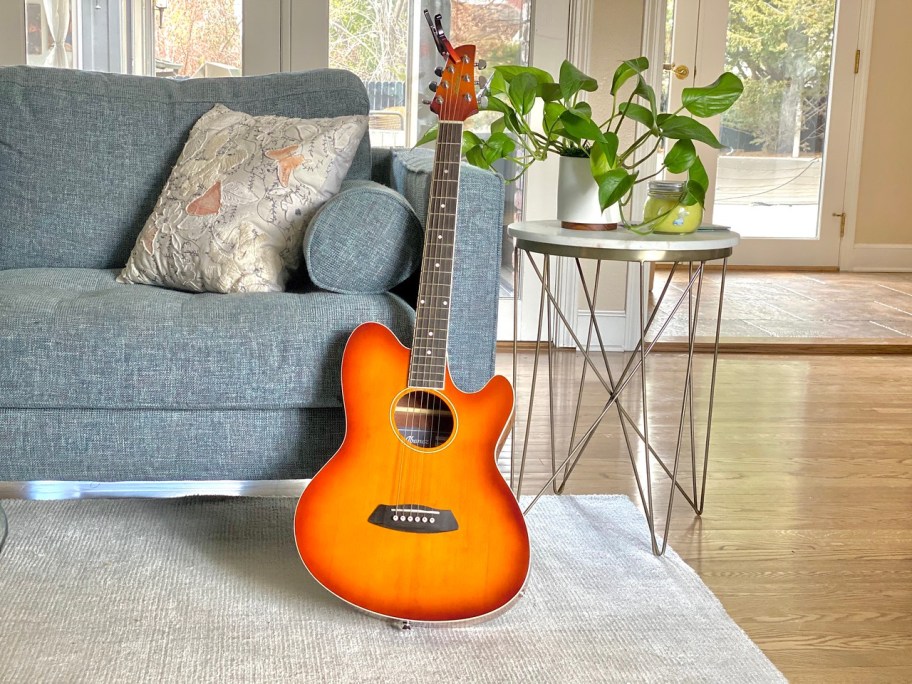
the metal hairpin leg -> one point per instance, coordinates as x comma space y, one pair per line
636, 366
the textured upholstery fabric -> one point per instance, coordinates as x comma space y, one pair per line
233, 212
111, 446
365, 239
476, 278
101, 381
84, 156
75, 338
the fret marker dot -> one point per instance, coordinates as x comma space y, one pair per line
444, 302
430, 334
428, 352
422, 301
443, 205
446, 170
436, 265
440, 237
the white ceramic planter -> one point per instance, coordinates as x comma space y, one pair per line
577, 198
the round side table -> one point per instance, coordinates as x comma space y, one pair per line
548, 239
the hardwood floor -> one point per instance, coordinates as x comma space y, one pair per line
799, 309
807, 533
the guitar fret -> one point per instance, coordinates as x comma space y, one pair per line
428, 359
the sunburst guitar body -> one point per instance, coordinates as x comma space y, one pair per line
411, 519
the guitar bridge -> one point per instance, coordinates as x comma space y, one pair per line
414, 518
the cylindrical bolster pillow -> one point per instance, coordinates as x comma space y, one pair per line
367, 239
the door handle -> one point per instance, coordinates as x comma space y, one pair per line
679, 70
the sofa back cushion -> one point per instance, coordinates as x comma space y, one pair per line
84, 156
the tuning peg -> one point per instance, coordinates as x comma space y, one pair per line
481, 82
481, 64
483, 101
439, 71
432, 86
425, 102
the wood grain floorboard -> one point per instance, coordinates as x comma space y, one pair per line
807, 533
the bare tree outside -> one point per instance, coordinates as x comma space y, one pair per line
370, 38
196, 32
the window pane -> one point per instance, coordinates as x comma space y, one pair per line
370, 38
169, 38
198, 38
49, 37
769, 185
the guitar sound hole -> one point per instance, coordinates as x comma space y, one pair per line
423, 419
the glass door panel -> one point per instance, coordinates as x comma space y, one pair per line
769, 182
781, 180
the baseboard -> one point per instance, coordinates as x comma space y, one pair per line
612, 325
881, 258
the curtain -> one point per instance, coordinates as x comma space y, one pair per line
58, 19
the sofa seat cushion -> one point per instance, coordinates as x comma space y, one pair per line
75, 338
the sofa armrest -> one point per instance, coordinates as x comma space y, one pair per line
479, 237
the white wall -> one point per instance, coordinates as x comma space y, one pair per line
12, 32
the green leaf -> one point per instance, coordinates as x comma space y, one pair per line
475, 157
501, 143
522, 93
583, 109
637, 113
499, 125
603, 156
549, 92
697, 173
572, 80
510, 72
697, 184
685, 128
497, 85
495, 104
429, 135
681, 156
469, 141
715, 98
510, 119
552, 115
626, 71
694, 193
580, 127
645, 91
613, 185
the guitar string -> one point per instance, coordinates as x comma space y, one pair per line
424, 417
431, 293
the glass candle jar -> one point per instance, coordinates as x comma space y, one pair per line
665, 208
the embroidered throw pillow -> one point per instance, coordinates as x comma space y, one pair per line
232, 215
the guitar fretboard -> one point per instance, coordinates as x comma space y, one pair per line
429, 345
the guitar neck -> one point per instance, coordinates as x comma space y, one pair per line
427, 367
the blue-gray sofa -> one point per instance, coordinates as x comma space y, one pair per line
101, 381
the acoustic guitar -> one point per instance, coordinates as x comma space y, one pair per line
411, 519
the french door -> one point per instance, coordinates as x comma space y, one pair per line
781, 180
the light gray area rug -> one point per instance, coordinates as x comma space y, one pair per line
212, 590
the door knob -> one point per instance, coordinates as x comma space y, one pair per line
679, 70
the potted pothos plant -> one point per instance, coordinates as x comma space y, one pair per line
592, 150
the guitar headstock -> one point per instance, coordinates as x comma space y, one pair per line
454, 95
